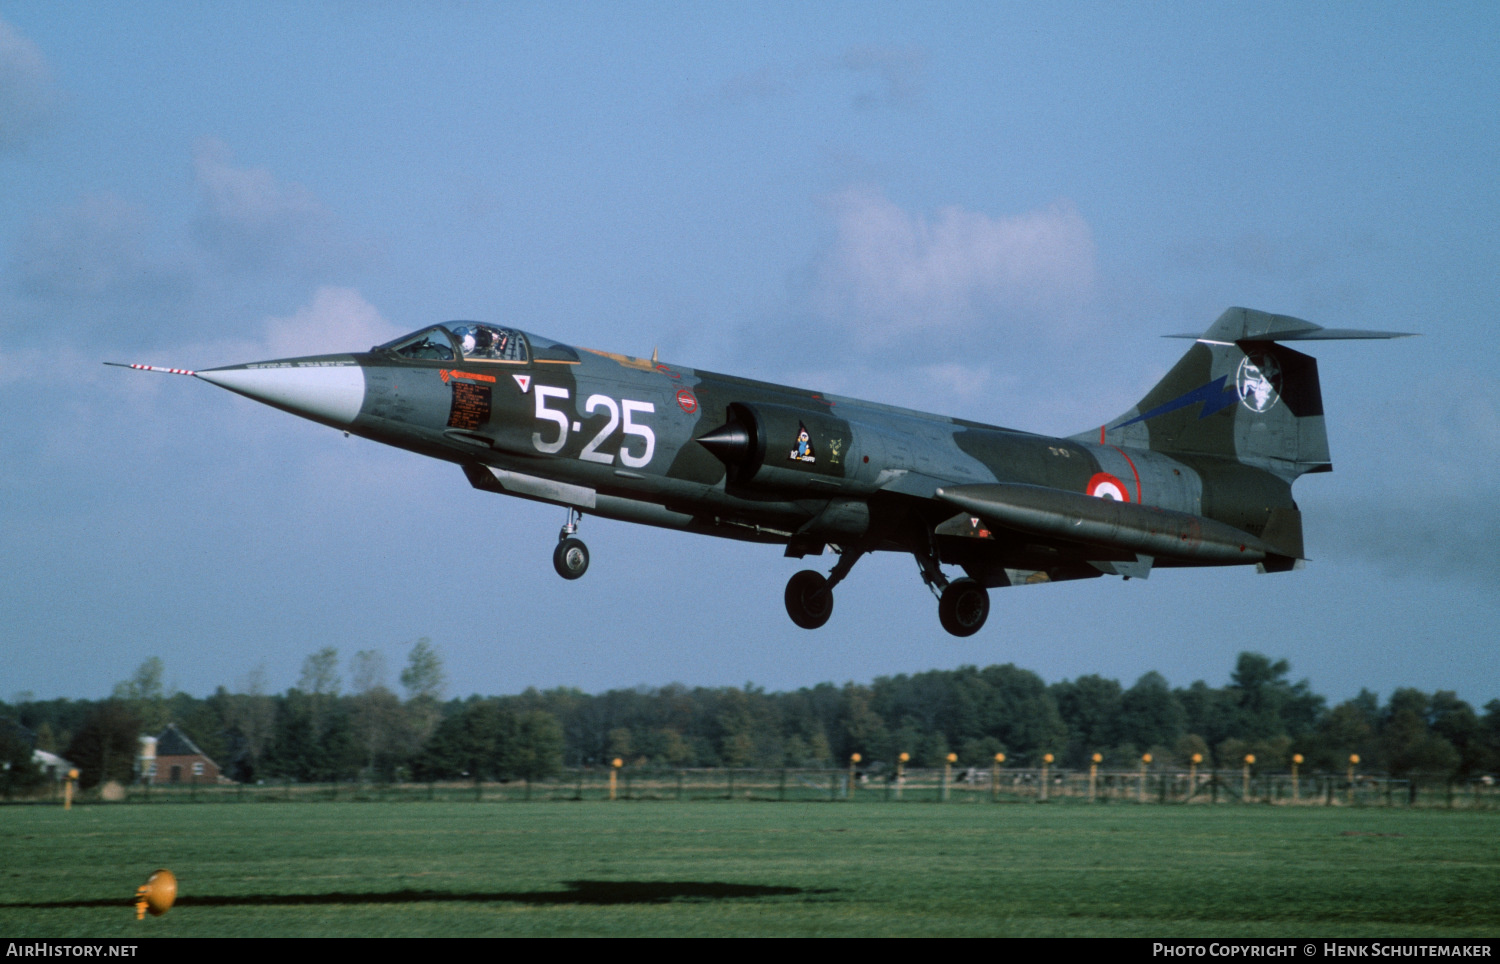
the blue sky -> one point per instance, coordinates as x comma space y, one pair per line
989, 210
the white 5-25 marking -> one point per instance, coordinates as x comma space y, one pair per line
620, 416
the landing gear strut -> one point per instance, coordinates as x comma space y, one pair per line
809, 597
571, 557
963, 604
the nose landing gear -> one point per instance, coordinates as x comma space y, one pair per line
809, 597
571, 557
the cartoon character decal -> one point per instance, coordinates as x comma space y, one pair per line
803, 450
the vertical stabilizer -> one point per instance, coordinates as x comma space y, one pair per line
1240, 395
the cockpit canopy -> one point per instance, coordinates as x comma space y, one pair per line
466, 340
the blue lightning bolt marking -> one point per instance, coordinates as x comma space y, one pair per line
1215, 397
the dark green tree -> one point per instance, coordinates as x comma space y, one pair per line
18, 774
106, 744
1151, 714
1090, 708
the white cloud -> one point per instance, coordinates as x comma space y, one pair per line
1431, 508
27, 93
893, 274
336, 320
252, 221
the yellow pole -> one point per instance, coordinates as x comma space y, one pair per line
614, 769
68, 789
1296, 787
995, 776
1145, 761
854, 759
948, 762
1095, 760
901, 772
1046, 765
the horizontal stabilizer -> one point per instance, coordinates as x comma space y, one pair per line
1144, 530
1247, 324
1322, 334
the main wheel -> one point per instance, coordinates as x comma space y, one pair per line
963, 607
809, 601
571, 558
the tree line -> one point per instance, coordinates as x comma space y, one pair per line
316, 731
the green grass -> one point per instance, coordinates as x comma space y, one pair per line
743, 869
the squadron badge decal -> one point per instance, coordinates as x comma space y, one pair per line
1259, 381
803, 450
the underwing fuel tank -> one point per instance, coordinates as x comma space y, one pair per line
1161, 533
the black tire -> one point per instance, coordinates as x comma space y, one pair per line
963, 607
571, 558
809, 601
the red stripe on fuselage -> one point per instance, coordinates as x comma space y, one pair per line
1133, 470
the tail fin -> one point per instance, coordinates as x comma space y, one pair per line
1237, 394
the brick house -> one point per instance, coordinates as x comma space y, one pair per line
178, 760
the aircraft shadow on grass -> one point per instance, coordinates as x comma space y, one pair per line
598, 892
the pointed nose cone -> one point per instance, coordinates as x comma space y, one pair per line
729, 443
327, 390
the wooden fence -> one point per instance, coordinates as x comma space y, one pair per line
954, 786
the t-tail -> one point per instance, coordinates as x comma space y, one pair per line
1239, 394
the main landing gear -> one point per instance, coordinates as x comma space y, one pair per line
963, 604
571, 557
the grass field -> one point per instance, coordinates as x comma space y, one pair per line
752, 869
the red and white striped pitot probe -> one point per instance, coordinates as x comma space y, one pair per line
153, 368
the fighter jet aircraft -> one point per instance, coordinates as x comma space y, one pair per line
1198, 473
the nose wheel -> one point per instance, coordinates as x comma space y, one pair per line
571, 557
809, 596
809, 600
